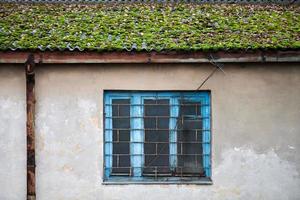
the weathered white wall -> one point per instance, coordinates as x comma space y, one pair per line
256, 130
12, 133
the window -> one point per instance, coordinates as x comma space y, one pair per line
157, 137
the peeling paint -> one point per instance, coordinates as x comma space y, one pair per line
253, 157
67, 168
291, 147
242, 174
71, 149
77, 148
256, 176
95, 121
12, 149
40, 145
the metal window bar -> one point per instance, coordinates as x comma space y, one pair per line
149, 117
146, 142
142, 129
162, 154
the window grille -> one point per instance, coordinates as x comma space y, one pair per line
157, 136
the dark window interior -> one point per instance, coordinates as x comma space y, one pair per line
156, 147
189, 140
121, 136
156, 140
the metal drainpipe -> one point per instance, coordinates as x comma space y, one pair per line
30, 126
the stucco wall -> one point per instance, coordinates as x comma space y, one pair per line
256, 130
12, 133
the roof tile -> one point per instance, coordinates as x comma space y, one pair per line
148, 27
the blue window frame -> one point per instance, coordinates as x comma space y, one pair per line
157, 137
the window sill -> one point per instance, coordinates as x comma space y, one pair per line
158, 181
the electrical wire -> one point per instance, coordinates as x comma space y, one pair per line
217, 66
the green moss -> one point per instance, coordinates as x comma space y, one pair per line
182, 27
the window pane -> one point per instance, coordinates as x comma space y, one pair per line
124, 136
121, 107
159, 107
189, 140
156, 136
121, 165
121, 137
156, 147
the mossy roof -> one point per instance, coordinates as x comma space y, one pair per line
147, 27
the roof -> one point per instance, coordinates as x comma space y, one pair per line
148, 27
282, 2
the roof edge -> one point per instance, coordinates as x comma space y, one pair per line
57, 57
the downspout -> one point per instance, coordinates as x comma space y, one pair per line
30, 107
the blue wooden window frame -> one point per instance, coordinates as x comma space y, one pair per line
137, 135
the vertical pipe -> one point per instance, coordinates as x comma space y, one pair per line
30, 106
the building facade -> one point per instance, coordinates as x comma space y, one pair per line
254, 128
154, 100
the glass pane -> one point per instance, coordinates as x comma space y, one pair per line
156, 147
121, 137
158, 107
124, 135
123, 163
189, 140
156, 136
